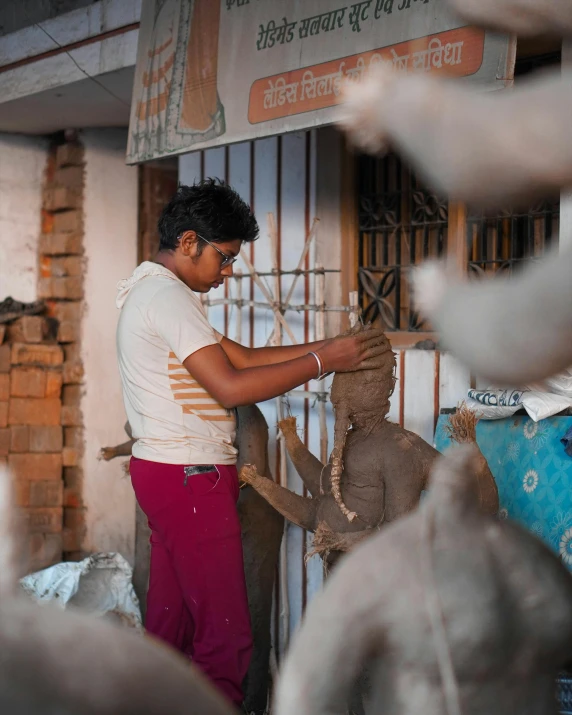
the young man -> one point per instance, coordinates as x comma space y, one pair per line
181, 380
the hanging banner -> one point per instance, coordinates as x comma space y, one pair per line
212, 72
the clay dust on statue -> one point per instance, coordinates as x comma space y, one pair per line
377, 469
461, 614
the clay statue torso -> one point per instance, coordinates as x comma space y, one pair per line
384, 473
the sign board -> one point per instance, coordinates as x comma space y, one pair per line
212, 72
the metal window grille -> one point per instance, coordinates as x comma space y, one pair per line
400, 225
501, 243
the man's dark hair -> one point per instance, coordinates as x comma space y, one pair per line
211, 208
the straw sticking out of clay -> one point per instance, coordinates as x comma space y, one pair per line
461, 427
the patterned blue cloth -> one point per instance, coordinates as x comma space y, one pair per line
533, 474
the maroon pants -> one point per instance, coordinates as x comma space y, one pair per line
197, 592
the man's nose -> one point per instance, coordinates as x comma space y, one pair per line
228, 271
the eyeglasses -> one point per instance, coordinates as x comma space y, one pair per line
226, 259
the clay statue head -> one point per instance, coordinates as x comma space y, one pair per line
360, 399
364, 395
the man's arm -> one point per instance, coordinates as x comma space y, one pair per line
242, 357
233, 387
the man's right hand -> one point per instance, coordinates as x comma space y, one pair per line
347, 353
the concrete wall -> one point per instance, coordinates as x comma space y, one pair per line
110, 242
22, 164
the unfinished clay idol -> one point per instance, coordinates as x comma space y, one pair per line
377, 469
454, 612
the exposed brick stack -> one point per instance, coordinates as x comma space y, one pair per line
31, 435
61, 285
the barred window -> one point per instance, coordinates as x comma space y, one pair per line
401, 224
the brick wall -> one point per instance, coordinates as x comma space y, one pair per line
31, 434
61, 286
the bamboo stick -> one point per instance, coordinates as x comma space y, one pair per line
268, 296
354, 304
320, 334
299, 267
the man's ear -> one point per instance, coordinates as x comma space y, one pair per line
188, 244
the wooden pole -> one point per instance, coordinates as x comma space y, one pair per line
282, 467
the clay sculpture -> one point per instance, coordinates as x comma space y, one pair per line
262, 528
55, 662
455, 612
486, 149
377, 469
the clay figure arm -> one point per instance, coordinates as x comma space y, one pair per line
232, 387
340, 632
310, 469
297, 509
521, 17
120, 450
513, 331
486, 149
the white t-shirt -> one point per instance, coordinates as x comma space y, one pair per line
172, 417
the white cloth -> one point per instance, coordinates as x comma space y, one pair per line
172, 417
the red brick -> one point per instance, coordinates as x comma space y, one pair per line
44, 521
5, 362
70, 457
69, 332
47, 222
46, 493
69, 154
4, 441
29, 411
19, 439
73, 372
69, 288
62, 198
54, 382
68, 311
71, 177
46, 467
71, 395
28, 382
28, 329
73, 437
73, 477
44, 550
3, 414
25, 354
21, 493
46, 439
61, 244
71, 416
4, 387
72, 497
68, 222
67, 266
72, 542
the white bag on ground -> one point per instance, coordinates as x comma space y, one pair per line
100, 585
